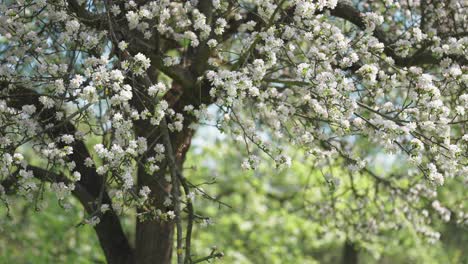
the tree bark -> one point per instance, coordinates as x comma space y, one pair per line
154, 242
112, 239
350, 253
154, 238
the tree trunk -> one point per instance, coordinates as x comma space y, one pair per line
154, 238
350, 253
113, 241
154, 242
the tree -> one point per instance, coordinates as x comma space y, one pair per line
108, 94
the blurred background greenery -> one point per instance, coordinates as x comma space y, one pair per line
258, 217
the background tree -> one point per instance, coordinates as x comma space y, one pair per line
108, 94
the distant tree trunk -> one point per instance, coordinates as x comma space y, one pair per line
350, 253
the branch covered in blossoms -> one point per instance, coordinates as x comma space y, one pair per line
107, 96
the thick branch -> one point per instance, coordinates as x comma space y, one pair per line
86, 17
347, 11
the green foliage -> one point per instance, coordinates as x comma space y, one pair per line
268, 220
48, 236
